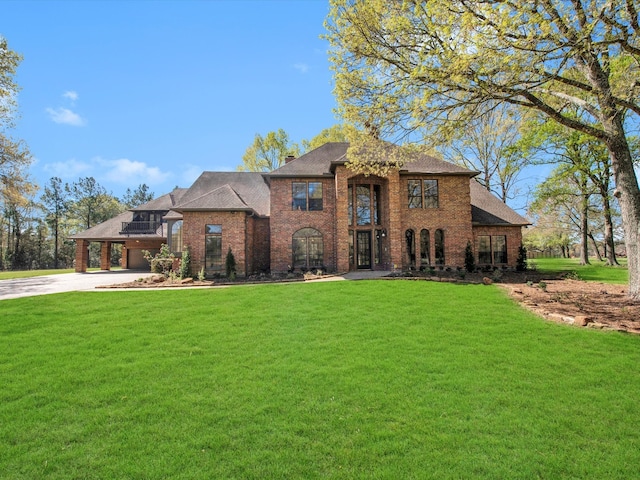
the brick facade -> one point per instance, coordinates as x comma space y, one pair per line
514, 239
258, 221
285, 221
246, 235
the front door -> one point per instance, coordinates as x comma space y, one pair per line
363, 250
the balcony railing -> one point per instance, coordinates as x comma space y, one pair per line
140, 227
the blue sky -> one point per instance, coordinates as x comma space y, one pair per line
156, 92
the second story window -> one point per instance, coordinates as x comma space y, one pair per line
306, 196
431, 194
422, 193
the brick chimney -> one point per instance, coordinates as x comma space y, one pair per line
289, 158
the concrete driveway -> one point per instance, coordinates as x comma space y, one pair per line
83, 282
65, 282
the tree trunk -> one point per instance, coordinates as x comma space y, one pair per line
584, 230
610, 249
628, 194
595, 247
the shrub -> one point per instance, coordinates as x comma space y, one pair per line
161, 262
469, 259
230, 265
201, 275
185, 264
521, 262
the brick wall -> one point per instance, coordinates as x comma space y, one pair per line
261, 244
285, 222
234, 230
453, 217
152, 245
514, 240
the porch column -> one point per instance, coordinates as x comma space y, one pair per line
342, 220
105, 256
82, 255
395, 234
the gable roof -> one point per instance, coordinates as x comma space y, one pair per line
110, 229
225, 191
316, 163
162, 203
487, 209
319, 162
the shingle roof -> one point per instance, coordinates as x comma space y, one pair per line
110, 229
227, 191
315, 163
163, 203
318, 162
487, 209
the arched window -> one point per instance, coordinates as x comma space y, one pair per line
439, 247
425, 256
411, 248
308, 249
176, 237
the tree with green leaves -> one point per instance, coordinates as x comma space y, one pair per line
89, 202
269, 152
585, 154
566, 196
335, 133
139, 196
54, 202
489, 144
417, 70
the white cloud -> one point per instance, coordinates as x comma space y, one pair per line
131, 172
301, 67
66, 117
71, 95
70, 169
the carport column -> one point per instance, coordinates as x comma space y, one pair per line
105, 256
82, 255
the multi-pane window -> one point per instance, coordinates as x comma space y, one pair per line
213, 247
306, 196
492, 250
176, 237
308, 248
415, 193
430, 193
422, 193
411, 247
439, 247
365, 204
425, 258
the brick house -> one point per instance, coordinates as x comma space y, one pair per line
313, 212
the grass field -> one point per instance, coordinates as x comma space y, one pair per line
596, 272
348, 380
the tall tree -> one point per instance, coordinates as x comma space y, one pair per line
89, 202
415, 68
566, 197
138, 196
488, 144
54, 201
269, 152
9, 61
585, 154
335, 133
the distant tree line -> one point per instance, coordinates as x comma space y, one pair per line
34, 231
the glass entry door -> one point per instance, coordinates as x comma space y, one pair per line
363, 247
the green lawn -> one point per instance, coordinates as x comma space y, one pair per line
346, 380
597, 271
